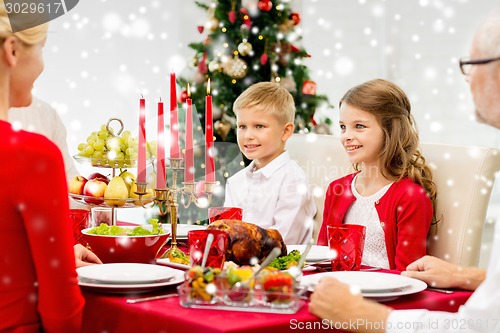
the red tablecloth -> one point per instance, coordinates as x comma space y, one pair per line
111, 313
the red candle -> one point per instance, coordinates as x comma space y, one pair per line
161, 177
174, 122
189, 157
209, 138
141, 149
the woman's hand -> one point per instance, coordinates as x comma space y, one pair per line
85, 257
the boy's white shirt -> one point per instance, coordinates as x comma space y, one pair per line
276, 196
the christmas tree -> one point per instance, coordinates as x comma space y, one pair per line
249, 41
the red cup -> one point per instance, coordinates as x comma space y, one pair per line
217, 253
80, 219
224, 213
346, 243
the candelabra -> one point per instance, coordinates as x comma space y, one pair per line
167, 199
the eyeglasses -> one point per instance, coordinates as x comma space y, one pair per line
466, 65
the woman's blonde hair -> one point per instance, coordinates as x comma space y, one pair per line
29, 36
400, 155
268, 97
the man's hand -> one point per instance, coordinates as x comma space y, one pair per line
336, 301
85, 257
439, 273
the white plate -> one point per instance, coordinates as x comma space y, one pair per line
178, 278
371, 284
166, 262
124, 273
317, 252
182, 229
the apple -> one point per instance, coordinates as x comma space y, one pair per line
76, 185
99, 176
94, 190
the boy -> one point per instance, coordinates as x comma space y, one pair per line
273, 190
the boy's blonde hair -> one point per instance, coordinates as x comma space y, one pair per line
267, 97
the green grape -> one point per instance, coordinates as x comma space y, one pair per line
99, 145
126, 135
98, 155
113, 143
88, 151
103, 135
120, 156
129, 151
81, 146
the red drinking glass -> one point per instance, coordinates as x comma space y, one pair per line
217, 252
346, 243
80, 219
224, 213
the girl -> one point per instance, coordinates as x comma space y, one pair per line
392, 193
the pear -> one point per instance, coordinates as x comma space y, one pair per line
145, 197
128, 177
116, 192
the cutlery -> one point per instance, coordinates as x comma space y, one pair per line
306, 252
210, 239
439, 290
152, 298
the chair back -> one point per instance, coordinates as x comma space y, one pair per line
323, 159
463, 175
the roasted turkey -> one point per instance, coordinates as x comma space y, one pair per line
247, 241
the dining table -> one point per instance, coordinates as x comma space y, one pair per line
112, 313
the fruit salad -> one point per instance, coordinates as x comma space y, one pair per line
201, 284
278, 287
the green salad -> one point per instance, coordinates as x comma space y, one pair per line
285, 262
105, 230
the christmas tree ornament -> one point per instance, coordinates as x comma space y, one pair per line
309, 87
247, 23
289, 84
216, 113
236, 68
287, 26
222, 127
263, 59
183, 97
213, 66
295, 17
265, 5
213, 24
201, 29
244, 48
202, 65
232, 14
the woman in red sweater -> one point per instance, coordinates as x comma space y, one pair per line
392, 193
38, 285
